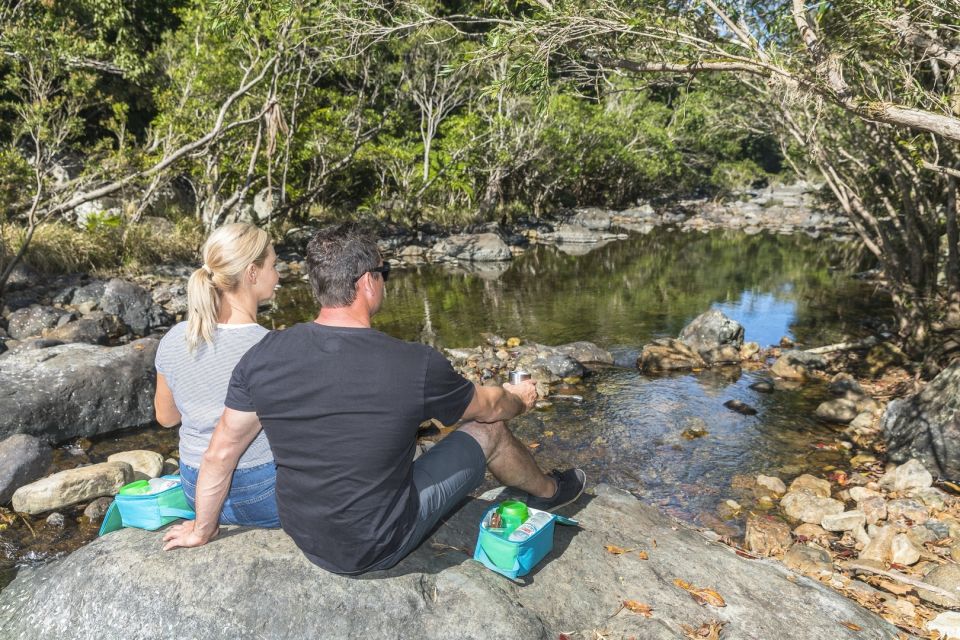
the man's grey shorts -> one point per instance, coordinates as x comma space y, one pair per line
443, 476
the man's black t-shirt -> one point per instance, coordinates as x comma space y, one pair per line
340, 407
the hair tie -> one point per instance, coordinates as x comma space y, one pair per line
207, 269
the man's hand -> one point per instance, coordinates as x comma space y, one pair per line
183, 535
526, 391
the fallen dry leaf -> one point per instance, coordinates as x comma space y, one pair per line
547, 434
615, 550
533, 445
643, 555
638, 607
706, 631
851, 626
702, 596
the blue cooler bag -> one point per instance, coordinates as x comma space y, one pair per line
510, 558
148, 511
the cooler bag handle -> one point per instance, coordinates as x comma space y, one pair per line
567, 521
170, 512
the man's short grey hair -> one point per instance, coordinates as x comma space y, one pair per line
336, 258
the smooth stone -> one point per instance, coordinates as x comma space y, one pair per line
145, 464
797, 365
874, 508
808, 507
809, 531
774, 484
945, 576
846, 521
880, 546
23, 459
903, 550
667, 354
930, 496
122, 585
862, 493
947, 623
862, 422
97, 509
839, 410
56, 520
767, 536
844, 383
907, 509
910, 475
72, 486
939, 529
811, 484
749, 350
808, 560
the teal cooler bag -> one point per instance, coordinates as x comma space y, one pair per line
515, 559
148, 511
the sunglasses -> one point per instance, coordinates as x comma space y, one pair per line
383, 270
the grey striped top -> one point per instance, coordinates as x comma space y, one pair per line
199, 383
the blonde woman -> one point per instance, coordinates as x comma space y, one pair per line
196, 358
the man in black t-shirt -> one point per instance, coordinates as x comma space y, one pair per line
340, 404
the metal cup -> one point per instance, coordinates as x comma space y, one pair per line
516, 377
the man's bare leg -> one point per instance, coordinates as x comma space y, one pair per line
509, 460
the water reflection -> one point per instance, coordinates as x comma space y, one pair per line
624, 294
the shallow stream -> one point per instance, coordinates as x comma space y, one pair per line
627, 430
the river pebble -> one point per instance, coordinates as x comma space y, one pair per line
146, 464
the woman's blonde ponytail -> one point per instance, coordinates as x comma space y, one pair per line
226, 255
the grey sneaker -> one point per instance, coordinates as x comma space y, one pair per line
570, 486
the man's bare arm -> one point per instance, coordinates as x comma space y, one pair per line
491, 404
233, 434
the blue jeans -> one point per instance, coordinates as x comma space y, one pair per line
252, 500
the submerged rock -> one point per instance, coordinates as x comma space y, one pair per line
252, 583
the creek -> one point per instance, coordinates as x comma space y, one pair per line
628, 429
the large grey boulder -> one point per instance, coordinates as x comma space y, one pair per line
95, 328
254, 583
474, 247
23, 459
77, 389
586, 353
133, 304
593, 219
32, 320
709, 332
926, 425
